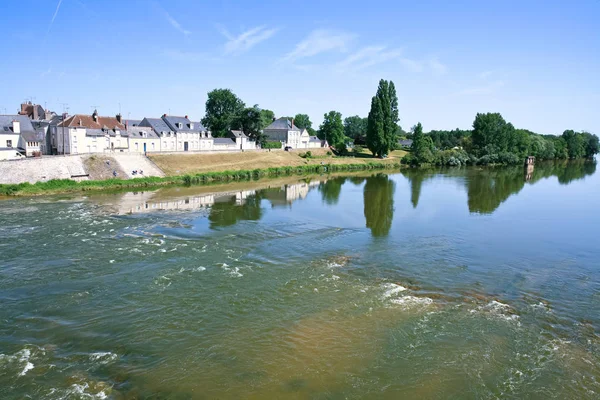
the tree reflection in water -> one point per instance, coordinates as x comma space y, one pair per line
379, 204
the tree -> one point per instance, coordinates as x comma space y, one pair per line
382, 122
250, 121
592, 144
267, 117
422, 146
332, 129
222, 107
355, 127
303, 121
493, 135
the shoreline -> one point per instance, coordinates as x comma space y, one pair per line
61, 186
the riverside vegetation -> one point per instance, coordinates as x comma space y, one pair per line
67, 185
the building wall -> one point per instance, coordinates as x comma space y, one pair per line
136, 145
10, 138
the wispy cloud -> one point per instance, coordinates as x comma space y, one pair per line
54, 16
176, 24
246, 40
46, 72
485, 74
412, 65
367, 57
320, 41
437, 67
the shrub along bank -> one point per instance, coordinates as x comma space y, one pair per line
69, 186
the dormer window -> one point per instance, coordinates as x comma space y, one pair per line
179, 125
191, 125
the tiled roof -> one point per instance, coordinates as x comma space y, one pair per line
223, 141
6, 124
157, 124
32, 136
131, 122
87, 121
314, 139
282, 124
238, 134
186, 124
138, 132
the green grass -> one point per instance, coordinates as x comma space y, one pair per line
69, 186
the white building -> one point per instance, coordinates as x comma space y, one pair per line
17, 137
81, 134
284, 131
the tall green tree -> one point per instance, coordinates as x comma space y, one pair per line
303, 121
355, 127
267, 117
382, 122
222, 108
493, 135
421, 151
332, 130
592, 144
249, 120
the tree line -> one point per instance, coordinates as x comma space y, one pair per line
492, 140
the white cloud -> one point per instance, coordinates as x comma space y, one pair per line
367, 57
246, 40
46, 72
485, 74
176, 24
437, 67
412, 65
320, 41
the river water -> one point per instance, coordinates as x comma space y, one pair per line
458, 283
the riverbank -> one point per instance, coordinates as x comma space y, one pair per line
198, 163
69, 186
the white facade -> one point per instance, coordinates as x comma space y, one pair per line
75, 140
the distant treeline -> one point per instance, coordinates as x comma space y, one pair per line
495, 141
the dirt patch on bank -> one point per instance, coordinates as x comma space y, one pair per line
100, 167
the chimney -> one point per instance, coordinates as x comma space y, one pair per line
186, 117
164, 115
274, 119
292, 122
119, 118
95, 115
16, 126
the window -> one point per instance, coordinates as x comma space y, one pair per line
152, 145
9, 143
137, 146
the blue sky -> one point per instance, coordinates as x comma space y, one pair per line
536, 62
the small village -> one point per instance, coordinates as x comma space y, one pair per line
35, 131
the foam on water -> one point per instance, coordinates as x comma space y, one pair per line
496, 309
392, 289
103, 357
411, 301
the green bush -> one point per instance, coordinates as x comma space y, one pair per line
272, 145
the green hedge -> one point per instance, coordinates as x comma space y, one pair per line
271, 145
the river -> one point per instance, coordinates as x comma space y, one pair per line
474, 283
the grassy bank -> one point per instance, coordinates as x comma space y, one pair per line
198, 163
69, 186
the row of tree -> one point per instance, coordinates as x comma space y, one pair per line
495, 141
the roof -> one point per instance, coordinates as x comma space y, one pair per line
238, 134
186, 124
282, 124
315, 139
32, 136
131, 122
223, 141
405, 142
157, 124
6, 124
138, 132
87, 121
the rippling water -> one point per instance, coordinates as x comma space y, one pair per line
459, 283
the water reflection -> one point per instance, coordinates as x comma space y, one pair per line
379, 204
331, 189
487, 188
